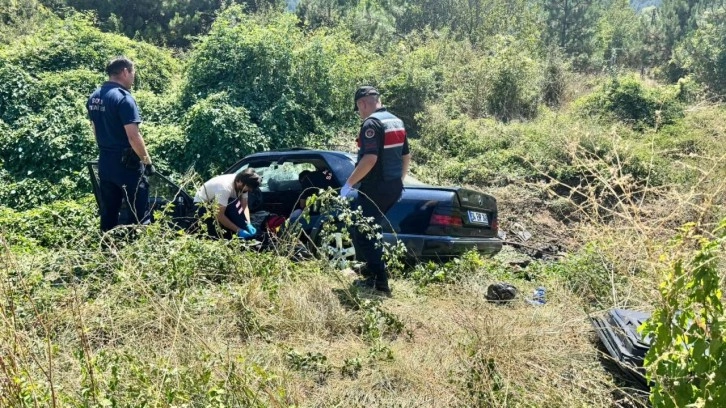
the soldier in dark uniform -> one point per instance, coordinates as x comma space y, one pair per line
383, 161
123, 161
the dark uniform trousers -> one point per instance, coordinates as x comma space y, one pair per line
375, 199
117, 183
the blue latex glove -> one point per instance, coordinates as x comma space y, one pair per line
244, 234
251, 229
346, 191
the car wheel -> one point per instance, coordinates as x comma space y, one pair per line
337, 249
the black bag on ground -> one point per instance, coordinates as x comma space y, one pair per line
501, 292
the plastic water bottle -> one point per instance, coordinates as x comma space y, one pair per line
538, 297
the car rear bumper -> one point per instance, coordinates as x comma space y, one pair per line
425, 246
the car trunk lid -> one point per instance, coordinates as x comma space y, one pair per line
469, 213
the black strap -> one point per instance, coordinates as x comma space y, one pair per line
378, 168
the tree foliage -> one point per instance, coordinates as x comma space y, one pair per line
295, 86
571, 25
171, 22
218, 134
21, 17
616, 42
261, 78
703, 52
73, 43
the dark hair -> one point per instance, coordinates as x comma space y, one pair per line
248, 177
118, 64
303, 174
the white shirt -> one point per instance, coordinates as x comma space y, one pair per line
219, 189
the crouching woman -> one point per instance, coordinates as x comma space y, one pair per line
226, 197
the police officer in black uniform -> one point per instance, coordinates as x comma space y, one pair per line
123, 162
383, 161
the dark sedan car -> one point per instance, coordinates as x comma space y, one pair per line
433, 222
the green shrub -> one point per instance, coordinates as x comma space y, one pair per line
74, 43
689, 91
410, 76
29, 192
504, 82
166, 144
63, 87
159, 109
15, 86
703, 52
587, 273
686, 361
53, 224
629, 100
554, 85
21, 17
218, 134
296, 88
452, 271
49, 146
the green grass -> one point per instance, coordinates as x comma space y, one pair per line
168, 319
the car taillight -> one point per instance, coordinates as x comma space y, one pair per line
495, 226
446, 220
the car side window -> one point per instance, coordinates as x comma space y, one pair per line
284, 176
264, 169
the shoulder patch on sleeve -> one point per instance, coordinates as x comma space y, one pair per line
370, 133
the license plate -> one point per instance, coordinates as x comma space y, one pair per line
478, 217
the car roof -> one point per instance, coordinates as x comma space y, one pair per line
300, 151
292, 152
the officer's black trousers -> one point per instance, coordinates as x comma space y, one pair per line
375, 199
117, 183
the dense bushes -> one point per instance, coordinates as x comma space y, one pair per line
166, 146
294, 86
28, 192
411, 75
504, 81
218, 134
261, 81
629, 100
73, 43
45, 79
16, 85
553, 146
172, 23
687, 358
52, 224
50, 145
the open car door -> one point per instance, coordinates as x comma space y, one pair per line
164, 195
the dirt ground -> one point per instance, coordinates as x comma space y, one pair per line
529, 223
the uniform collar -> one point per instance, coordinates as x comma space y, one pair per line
381, 109
114, 83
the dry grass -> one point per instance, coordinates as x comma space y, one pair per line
455, 350
267, 332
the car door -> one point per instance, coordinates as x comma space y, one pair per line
162, 193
